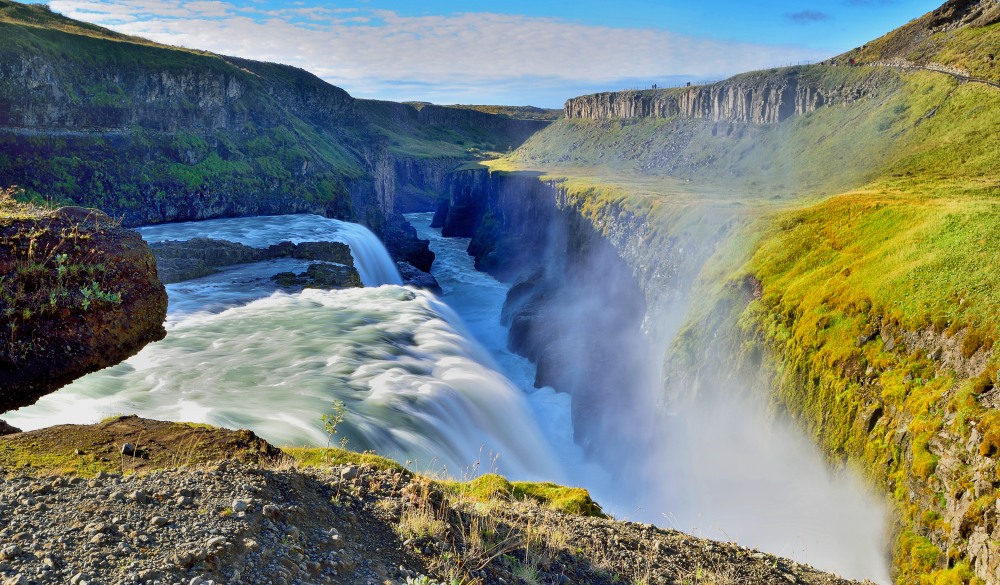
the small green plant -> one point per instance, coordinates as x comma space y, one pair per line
422, 580
93, 294
332, 420
526, 573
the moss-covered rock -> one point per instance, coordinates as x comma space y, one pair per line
77, 294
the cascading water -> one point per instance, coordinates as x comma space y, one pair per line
417, 387
238, 354
370, 257
723, 470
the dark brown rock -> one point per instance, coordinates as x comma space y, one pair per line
6, 429
178, 261
413, 276
323, 276
77, 294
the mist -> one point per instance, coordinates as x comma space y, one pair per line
709, 458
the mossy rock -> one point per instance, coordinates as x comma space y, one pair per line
85, 450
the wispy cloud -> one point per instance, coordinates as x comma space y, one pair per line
807, 16
380, 53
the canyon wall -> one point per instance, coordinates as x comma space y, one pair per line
596, 282
154, 134
592, 286
765, 97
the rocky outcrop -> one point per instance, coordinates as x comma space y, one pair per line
239, 509
78, 294
768, 97
413, 276
323, 276
183, 260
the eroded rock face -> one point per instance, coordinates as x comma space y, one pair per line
764, 98
6, 429
77, 294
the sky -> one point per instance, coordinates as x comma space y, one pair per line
512, 52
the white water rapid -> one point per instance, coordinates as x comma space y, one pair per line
239, 354
421, 384
370, 257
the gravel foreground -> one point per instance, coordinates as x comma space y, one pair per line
239, 510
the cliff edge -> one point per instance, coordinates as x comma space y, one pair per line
78, 293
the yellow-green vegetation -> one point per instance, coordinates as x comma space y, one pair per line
320, 457
29, 457
491, 487
13, 205
849, 230
85, 450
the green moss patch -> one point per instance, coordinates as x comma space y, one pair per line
85, 450
493, 487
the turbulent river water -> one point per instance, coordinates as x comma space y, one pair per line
429, 380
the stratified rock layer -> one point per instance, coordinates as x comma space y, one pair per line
766, 97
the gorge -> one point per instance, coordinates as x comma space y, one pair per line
765, 305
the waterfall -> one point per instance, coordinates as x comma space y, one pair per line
370, 257
240, 354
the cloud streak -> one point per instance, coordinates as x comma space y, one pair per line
808, 16
375, 53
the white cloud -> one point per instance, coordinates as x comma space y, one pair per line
376, 53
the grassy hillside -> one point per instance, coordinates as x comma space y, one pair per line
870, 229
962, 34
157, 133
519, 112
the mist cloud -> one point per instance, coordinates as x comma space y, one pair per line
472, 56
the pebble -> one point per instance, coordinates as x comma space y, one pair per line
10, 552
299, 536
215, 541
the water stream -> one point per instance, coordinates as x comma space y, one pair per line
430, 381
241, 354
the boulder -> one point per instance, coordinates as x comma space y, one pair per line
415, 277
77, 294
321, 275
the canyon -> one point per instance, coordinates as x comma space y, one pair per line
813, 240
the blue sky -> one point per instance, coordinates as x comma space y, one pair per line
512, 52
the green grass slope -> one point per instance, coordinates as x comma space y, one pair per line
870, 230
961, 34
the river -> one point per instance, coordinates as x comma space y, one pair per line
429, 381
